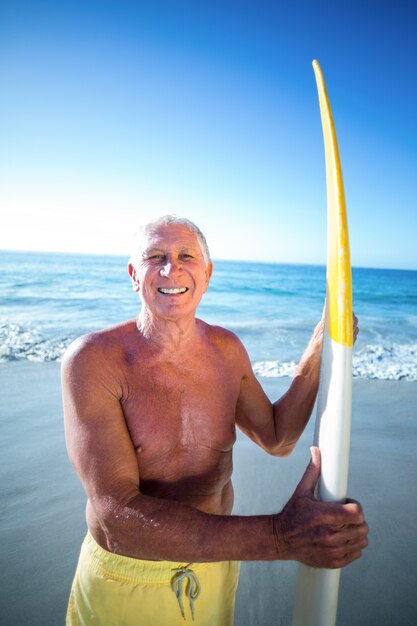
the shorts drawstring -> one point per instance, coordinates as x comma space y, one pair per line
192, 590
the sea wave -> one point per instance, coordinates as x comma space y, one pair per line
18, 342
390, 361
386, 362
274, 369
383, 362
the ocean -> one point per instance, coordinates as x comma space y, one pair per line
48, 299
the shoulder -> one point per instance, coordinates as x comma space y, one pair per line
91, 368
97, 349
218, 333
226, 341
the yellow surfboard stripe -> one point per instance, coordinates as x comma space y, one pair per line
339, 280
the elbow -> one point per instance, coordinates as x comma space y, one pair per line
133, 526
280, 449
113, 519
105, 518
286, 449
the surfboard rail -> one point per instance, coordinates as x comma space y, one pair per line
317, 589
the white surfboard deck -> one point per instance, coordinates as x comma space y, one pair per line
317, 589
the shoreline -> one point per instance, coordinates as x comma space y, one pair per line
43, 521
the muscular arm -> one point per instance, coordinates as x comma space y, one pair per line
135, 524
142, 526
277, 427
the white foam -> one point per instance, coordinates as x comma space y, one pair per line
18, 342
390, 361
384, 362
274, 369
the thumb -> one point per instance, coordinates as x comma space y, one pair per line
307, 484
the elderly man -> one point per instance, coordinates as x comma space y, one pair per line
151, 408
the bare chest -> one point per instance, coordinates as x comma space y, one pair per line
179, 412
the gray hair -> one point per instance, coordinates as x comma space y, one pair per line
166, 220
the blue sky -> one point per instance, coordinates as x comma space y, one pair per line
113, 112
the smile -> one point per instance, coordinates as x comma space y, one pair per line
174, 291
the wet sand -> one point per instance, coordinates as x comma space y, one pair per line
42, 522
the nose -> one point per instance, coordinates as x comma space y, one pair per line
170, 267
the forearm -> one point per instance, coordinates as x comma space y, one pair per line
293, 410
155, 529
316, 533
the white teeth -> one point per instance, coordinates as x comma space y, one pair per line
173, 291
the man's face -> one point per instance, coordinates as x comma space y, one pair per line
171, 274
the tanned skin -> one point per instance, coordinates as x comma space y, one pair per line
151, 408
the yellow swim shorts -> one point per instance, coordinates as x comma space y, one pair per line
114, 590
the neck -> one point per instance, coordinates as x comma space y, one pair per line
165, 333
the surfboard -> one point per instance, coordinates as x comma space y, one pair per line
317, 589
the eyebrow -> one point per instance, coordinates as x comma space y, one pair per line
152, 249
148, 251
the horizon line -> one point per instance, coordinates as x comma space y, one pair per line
215, 260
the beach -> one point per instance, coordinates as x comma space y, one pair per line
43, 505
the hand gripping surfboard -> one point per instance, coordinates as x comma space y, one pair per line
318, 589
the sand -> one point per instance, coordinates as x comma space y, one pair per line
42, 522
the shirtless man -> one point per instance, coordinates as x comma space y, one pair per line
151, 408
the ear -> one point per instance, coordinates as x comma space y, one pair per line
209, 272
133, 275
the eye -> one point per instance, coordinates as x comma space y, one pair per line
156, 257
186, 255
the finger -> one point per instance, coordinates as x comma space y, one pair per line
355, 327
353, 536
346, 555
353, 501
354, 509
338, 516
331, 559
347, 558
307, 484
